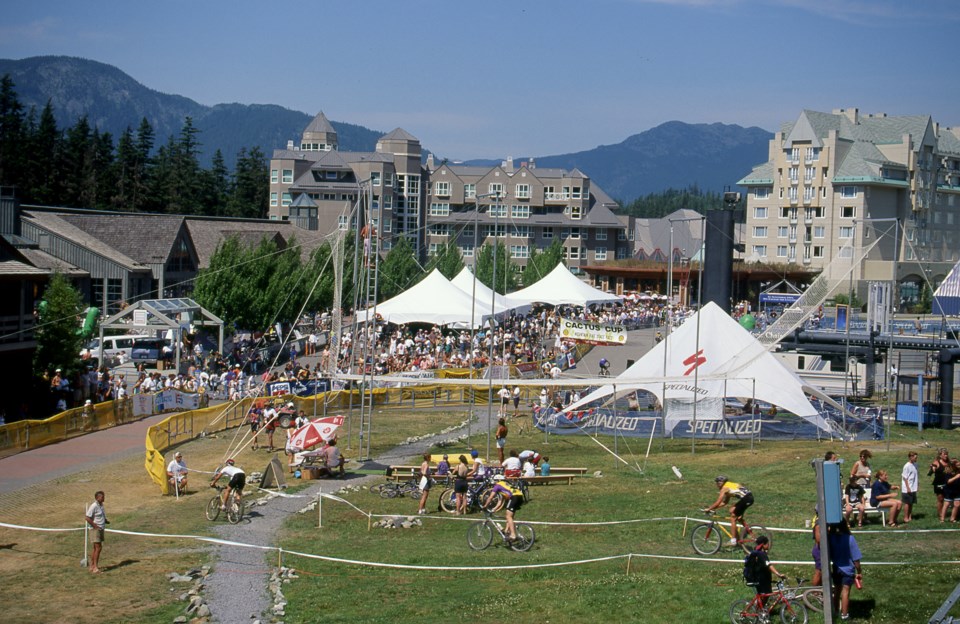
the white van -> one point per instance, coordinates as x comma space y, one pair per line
135, 348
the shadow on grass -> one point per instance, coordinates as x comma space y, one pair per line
862, 609
121, 564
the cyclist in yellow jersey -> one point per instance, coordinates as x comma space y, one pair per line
729, 489
514, 498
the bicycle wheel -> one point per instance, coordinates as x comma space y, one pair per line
389, 490
525, 537
213, 509
706, 539
448, 501
235, 512
748, 538
744, 611
793, 612
479, 535
813, 599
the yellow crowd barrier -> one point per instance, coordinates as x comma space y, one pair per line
24, 435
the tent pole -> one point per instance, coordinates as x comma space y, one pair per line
753, 403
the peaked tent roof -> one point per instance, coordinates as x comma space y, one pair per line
433, 300
465, 282
723, 358
946, 299
561, 287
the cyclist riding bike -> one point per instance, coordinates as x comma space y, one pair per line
604, 367
729, 489
238, 479
514, 498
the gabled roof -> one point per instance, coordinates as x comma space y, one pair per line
761, 175
147, 238
330, 160
54, 223
600, 215
43, 260
399, 134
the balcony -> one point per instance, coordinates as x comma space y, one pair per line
806, 260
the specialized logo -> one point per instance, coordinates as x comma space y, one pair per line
694, 361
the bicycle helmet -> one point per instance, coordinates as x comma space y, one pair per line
474, 453
230, 462
604, 362
721, 479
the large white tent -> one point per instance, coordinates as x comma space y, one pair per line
465, 282
711, 357
433, 300
561, 287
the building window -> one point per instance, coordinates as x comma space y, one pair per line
761, 192
813, 153
441, 189
439, 210
286, 200
846, 231
440, 229
782, 231
343, 222
794, 174
576, 212
520, 212
519, 251
807, 193
470, 191
375, 178
621, 253
497, 210
793, 194
848, 212
621, 235
795, 154
760, 232
495, 189
432, 251
819, 231
274, 176
549, 194
781, 251
273, 199
818, 251
760, 212
520, 231
848, 191
387, 228
818, 212
760, 250
600, 253
547, 233
467, 251
809, 174
600, 235
288, 176
523, 191
575, 232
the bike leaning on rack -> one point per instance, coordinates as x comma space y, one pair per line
480, 534
234, 507
707, 539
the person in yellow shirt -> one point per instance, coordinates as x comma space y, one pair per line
744, 499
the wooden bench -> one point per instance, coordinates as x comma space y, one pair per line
407, 471
870, 510
551, 478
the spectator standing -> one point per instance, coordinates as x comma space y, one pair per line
845, 564
501, 436
861, 469
460, 485
938, 468
504, 394
97, 519
951, 491
516, 400
909, 482
425, 483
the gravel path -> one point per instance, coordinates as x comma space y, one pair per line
236, 590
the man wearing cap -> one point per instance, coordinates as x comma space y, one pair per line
177, 473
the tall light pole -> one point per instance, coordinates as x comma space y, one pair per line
473, 309
493, 312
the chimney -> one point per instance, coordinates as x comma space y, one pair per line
430, 161
509, 164
531, 164
290, 144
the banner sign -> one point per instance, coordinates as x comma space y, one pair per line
592, 333
424, 374
172, 399
779, 298
298, 388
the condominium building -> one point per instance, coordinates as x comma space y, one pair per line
836, 182
521, 206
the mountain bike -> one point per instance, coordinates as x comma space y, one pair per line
477, 492
235, 506
410, 488
760, 609
707, 539
480, 534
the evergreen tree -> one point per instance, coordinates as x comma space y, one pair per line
124, 169
448, 259
505, 275
251, 185
12, 127
542, 262
399, 270
77, 165
217, 187
58, 336
141, 165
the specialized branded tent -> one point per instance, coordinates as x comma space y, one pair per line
715, 360
561, 287
433, 300
946, 299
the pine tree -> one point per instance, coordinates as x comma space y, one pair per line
505, 275
251, 185
448, 259
11, 134
399, 270
58, 336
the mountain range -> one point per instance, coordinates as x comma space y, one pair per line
672, 155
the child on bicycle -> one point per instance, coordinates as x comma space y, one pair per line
729, 489
514, 498
758, 570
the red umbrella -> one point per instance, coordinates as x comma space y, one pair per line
316, 431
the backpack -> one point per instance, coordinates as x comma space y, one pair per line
752, 568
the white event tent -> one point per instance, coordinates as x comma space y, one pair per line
433, 300
719, 359
561, 287
465, 282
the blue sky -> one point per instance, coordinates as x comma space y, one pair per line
490, 79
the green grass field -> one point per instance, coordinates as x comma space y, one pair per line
656, 588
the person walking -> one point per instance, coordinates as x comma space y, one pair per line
845, 565
97, 520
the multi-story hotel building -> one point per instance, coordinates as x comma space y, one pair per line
521, 206
840, 178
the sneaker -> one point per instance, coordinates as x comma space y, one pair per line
421, 512
732, 542
844, 616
